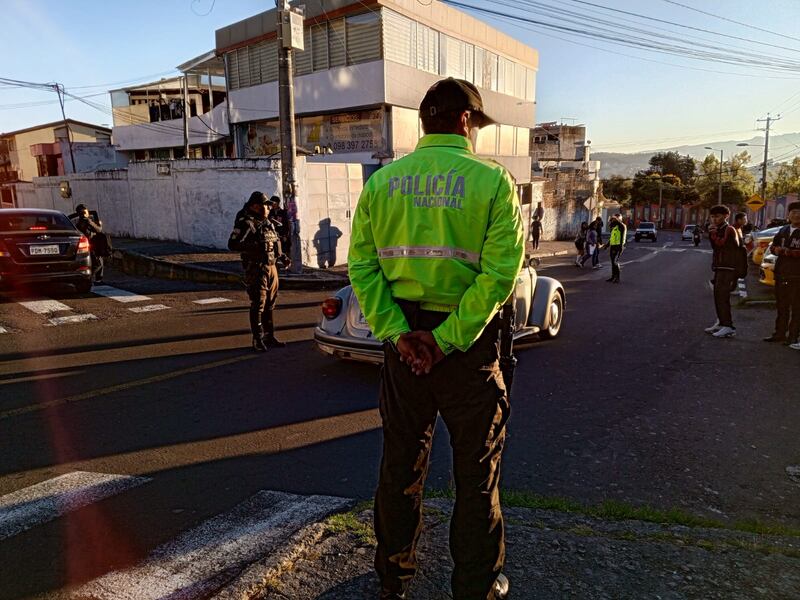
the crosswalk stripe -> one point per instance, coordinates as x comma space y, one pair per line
117, 294
48, 500
69, 319
148, 308
201, 561
211, 300
43, 307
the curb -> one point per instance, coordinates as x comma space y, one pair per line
549, 254
136, 263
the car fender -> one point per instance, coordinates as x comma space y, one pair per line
335, 326
545, 288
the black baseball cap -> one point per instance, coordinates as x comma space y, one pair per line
257, 198
455, 95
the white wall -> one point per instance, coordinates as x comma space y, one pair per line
197, 201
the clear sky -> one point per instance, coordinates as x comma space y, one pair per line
629, 99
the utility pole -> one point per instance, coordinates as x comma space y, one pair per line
186, 116
60, 91
290, 36
768, 121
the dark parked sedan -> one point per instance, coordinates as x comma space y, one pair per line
42, 246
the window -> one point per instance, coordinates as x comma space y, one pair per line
530, 84
337, 43
427, 49
399, 34
480, 67
453, 57
363, 38
319, 47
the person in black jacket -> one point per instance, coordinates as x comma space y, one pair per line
90, 228
254, 236
725, 243
786, 246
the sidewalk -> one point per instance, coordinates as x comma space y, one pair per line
551, 554
176, 260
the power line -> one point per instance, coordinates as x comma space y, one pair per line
788, 37
690, 51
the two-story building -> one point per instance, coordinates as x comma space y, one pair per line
45, 150
149, 118
362, 75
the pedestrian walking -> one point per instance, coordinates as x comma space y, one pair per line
725, 244
739, 224
598, 227
591, 244
786, 246
616, 245
91, 229
536, 231
580, 242
254, 236
430, 273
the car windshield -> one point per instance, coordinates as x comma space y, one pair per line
34, 222
647, 226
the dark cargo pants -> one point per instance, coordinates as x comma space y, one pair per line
467, 389
261, 281
723, 280
787, 299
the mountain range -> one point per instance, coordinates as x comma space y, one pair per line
782, 148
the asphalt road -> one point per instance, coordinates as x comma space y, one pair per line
632, 402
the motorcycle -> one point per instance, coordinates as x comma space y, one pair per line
696, 238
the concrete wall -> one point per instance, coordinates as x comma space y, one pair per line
196, 202
92, 156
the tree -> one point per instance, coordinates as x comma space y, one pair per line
737, 181
618, 188
672, 163
786, 180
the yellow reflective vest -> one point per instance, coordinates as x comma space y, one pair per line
442, 227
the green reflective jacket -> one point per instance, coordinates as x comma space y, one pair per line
442, 227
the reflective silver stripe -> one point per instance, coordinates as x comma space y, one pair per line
428, 252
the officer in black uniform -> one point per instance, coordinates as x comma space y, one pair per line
255, 237
90, 228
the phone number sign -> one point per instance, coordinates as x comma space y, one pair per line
357, 131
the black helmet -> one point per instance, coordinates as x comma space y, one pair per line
80, 207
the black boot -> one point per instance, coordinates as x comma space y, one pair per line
269, 332
258, 344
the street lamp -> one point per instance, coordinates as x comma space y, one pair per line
721, 153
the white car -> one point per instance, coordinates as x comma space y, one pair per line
344, 333
688, 233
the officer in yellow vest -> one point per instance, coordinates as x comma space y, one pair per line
436, 247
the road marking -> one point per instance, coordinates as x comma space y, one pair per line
48, 500
148, 308
211, 300
122, 386
44, 307
69, 319
117, 294
203, 560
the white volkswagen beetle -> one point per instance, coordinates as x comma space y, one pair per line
344, 333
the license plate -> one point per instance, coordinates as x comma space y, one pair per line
40, 250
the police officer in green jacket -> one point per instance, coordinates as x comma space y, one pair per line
255, 237
436, 247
